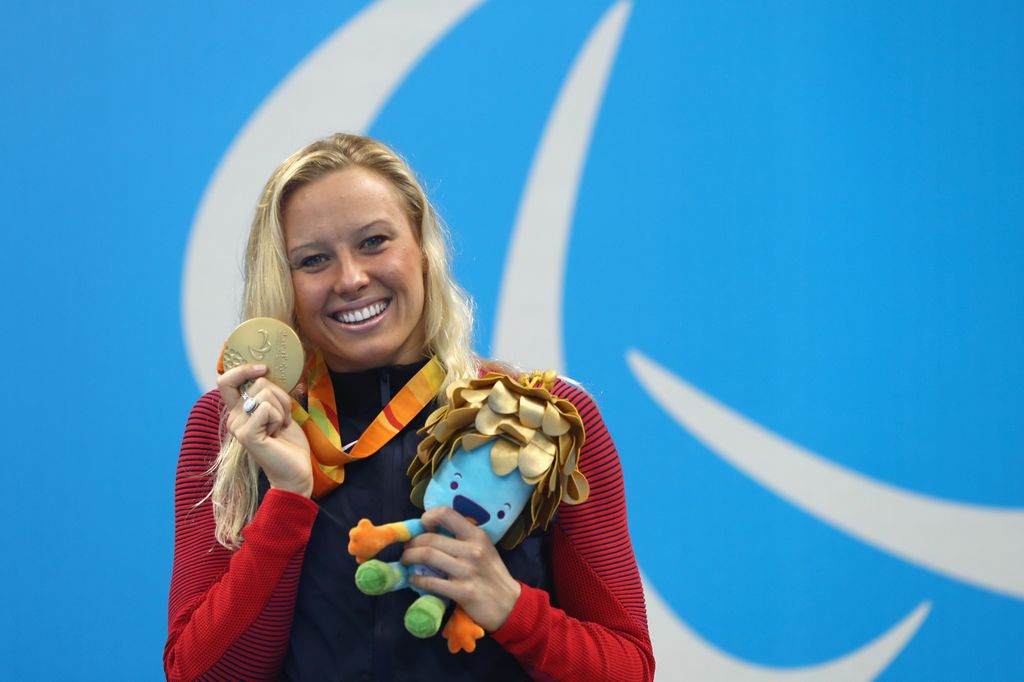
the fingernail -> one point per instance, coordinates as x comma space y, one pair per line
259, 368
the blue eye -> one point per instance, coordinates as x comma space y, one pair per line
455, 485
374, 242
501, 513
312, 261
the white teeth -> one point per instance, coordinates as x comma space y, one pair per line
353, 316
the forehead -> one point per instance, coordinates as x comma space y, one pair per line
345, 199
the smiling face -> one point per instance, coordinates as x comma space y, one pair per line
357, 271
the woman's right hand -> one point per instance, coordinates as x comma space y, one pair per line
269, 434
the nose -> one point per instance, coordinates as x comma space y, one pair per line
350, 277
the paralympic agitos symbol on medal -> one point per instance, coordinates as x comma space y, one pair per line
264, 345
979, 546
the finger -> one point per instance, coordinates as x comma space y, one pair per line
459, 558
270, 418
463, 549
231, 381
431, 556
454, 522
265, 390
438, 586
264, 421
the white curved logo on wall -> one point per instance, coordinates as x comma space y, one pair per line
343, 85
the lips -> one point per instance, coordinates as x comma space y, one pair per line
361, 315
471, 510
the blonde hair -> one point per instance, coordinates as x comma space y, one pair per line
447, 312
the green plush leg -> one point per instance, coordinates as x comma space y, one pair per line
376, 577
423, 618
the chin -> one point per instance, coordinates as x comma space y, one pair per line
368, 359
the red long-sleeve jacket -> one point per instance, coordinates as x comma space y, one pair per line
230, 613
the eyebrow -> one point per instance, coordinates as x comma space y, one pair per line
315, 244
371, 226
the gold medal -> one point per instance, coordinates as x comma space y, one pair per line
270, 342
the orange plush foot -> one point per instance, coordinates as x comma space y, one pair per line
462, 632
365, 540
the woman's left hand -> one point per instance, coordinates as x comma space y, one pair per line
478, 580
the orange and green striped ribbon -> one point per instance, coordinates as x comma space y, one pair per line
319, 420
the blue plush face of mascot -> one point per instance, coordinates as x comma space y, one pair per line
466, 482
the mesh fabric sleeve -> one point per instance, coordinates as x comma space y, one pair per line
229, 613
598, 631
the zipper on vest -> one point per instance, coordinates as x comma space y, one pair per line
382, 629
385, 387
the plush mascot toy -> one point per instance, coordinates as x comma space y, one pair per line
503, 453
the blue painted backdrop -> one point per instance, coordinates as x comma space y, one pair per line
811, 211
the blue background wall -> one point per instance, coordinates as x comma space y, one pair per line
810, 211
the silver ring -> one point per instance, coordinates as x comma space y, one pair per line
250, 404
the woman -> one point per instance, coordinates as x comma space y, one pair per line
346, 247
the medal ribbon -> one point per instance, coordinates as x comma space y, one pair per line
319, 420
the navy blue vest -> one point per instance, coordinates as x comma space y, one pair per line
340, 633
